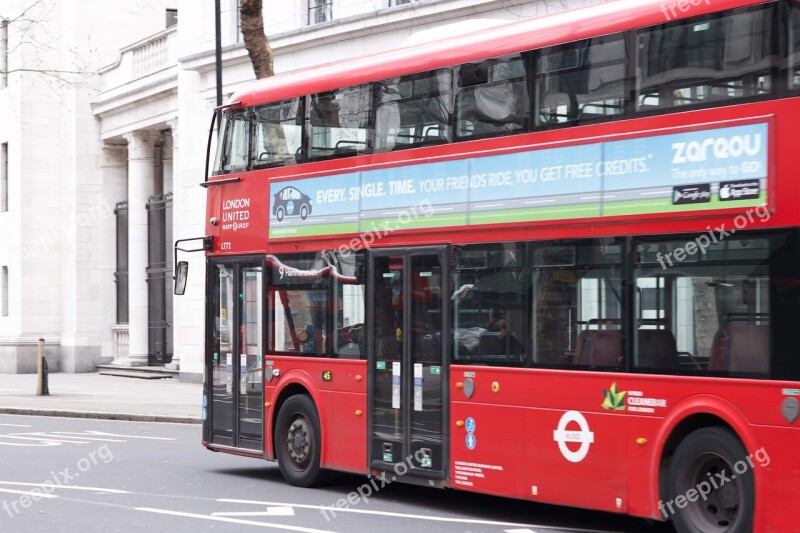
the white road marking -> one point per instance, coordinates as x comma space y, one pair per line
81, 435
33, 494
233, 520
17, 425
332, 510
271, 511
52, 440
654, 192
519, 531
57, 438
68, 487
30, 444
486, 206
103, 433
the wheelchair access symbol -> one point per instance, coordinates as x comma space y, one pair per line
471, 440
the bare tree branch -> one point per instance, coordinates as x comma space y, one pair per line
28, 30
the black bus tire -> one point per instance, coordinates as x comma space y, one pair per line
298, 443
710, 460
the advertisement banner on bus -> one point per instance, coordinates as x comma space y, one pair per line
718, 168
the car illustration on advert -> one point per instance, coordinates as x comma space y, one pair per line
291, 202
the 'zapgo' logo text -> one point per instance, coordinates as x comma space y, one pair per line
720, 148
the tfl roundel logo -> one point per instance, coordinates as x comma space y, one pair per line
568, 433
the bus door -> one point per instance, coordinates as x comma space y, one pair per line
234, 398
408, 327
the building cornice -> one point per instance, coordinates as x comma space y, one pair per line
159, 88
371, 23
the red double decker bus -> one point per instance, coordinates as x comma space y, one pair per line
558, 261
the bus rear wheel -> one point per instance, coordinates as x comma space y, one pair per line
710, 484
297, 442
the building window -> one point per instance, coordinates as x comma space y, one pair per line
393, 3
4, 291
172, 17
3, 177
319, 11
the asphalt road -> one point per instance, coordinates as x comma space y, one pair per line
91, 476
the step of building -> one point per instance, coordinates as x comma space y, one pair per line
140, 372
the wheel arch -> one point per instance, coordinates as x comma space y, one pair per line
689, 415
294, 383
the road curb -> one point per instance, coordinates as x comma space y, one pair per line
100, 415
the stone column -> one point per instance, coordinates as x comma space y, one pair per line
141, 186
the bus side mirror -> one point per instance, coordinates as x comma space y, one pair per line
181, 274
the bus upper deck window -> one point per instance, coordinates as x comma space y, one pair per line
493, 97
278, 133
583, 80
413, 110
707, 58
233, 148
794, 44
340, 122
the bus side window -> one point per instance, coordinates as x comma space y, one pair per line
493, 97
349, 306
707, 58
413, 110
583, 80
298, 304
339, 122
233, 152
794, 47
278, 133
707, 313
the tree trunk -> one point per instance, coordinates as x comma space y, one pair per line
255, 40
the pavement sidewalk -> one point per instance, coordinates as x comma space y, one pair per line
97, 396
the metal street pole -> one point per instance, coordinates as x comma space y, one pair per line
218, 29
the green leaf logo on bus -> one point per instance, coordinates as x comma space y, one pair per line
614, 401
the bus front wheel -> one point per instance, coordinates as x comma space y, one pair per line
297, 442
710, 484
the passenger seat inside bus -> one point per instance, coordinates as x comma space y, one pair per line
741, 347
599, 348
656, 348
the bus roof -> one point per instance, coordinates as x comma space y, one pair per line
529, 34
